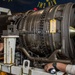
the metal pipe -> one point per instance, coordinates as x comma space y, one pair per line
53, 55
46, 60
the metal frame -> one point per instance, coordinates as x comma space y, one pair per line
24, 70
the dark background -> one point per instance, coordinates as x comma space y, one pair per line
24, 5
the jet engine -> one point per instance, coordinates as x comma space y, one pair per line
46, 35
